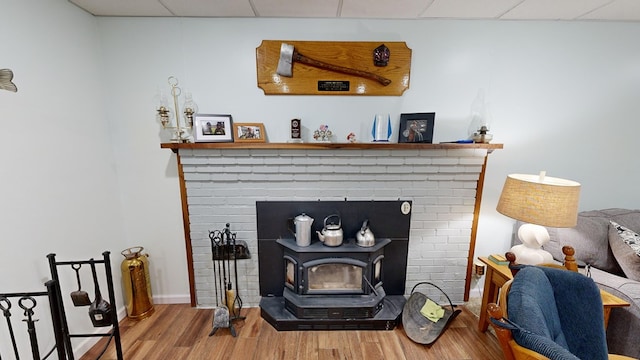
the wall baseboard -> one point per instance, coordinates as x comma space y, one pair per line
172, 299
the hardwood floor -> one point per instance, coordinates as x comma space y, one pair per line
181, 332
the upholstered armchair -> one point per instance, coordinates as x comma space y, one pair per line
552, 314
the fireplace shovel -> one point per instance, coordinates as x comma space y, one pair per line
418, 327
79, 297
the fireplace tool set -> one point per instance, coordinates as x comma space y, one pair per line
224, 251
99, 309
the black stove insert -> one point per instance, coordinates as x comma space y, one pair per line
342, 287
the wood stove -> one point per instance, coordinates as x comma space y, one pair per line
342, 287
341, 282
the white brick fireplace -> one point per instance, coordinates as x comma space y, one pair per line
223, 184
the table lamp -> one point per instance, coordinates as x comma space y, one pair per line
539, 201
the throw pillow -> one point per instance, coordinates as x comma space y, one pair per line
625, 245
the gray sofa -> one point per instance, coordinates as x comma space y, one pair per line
614, 270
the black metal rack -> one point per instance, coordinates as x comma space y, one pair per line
114, 332
28, 303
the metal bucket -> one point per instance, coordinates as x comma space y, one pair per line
136, 283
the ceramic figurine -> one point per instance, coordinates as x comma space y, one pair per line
323, 133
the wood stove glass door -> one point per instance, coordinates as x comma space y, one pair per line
341, 276
290, 278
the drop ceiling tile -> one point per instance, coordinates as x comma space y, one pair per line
297, 8
619, 10
383, 8
553, 9
122, 7
469, 9
210, 8
610, 10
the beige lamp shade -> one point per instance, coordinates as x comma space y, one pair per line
540, 200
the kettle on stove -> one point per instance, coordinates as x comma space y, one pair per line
365, 237
331, 234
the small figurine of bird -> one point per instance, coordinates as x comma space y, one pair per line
6, 75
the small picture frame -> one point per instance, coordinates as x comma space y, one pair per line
416, 128
249, 132
212, 128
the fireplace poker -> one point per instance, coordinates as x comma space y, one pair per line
220, 270
230, 295
237, 300
223, 285
31, 323
229, 287
370, 286
7, 314
214, 253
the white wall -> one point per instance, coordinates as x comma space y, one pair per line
59, 189
82, 167
563, 98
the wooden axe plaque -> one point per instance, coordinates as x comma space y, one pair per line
287, 67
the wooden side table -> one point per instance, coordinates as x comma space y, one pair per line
610, 301
497, 275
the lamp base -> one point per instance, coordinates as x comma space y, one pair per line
533, 237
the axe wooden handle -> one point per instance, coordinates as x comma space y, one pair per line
297, 57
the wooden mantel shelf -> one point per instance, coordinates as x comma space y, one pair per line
328, 146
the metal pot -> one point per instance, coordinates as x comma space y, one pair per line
365, 237
302, 224
331, 234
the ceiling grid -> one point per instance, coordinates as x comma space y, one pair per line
565, 10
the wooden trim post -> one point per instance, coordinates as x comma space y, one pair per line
474, 229
187, 230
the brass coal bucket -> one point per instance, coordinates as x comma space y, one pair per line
136, 283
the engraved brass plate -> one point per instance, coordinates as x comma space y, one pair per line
333, 85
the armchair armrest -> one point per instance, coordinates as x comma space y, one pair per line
568, 264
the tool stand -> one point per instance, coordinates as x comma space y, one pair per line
223, 251
110, 317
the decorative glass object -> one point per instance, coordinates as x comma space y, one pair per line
381, 130
190, 108
163, 112
480, 120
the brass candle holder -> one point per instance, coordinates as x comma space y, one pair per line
170, 119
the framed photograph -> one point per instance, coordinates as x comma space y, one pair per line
212, 128
416, 128
249, 132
